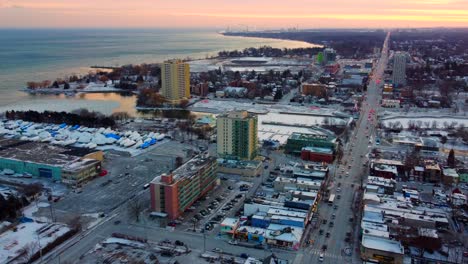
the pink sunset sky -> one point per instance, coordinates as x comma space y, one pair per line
260, 14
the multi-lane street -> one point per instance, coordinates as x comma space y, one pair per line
338, 220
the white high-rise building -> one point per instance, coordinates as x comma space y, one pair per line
399, 69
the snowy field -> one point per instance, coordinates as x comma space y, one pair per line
277, 121
440, 121
30, 236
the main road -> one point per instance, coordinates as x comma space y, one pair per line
346, 182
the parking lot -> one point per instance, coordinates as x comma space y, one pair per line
126, 177
223, 201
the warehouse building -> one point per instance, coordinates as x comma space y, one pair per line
70, 165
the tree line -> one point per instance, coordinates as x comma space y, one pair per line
80, 117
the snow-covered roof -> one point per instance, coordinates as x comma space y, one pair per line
382, 244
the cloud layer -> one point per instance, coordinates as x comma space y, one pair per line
224, 13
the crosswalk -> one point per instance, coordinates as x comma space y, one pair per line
326, 254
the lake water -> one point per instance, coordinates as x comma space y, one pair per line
47, 54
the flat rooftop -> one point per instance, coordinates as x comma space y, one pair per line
316, 136
42, 153
188, 169
318, 150
382, 244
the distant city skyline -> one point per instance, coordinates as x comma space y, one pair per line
254, 14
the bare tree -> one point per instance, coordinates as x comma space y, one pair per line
75, 223
427, 124
135, 208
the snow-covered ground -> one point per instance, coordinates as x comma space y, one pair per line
277, 121
30, 236
424, 119
91, 87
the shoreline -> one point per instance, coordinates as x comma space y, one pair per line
58, 91
243, 35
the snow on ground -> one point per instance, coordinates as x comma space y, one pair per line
121, 241
31, 209
29, 235
439, 119
95, 219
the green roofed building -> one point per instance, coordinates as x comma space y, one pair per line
320, 58
320, 139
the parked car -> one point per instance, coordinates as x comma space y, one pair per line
244, 255
217, 250
232, 242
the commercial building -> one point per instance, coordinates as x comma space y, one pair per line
247, 169
389, 103
297, 141
450, 176
381, 249
175, 81
229, 225
314, 89
172, 194
317, 154
329, 55
70, 165
237, 135
399, 69
283, 184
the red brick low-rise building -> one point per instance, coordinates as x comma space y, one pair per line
317, 154
173, 193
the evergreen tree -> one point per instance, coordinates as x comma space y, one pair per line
451, 159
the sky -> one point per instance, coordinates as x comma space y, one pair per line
238, 14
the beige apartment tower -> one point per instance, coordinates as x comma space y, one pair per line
175, 81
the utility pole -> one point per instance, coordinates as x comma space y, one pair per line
204, 241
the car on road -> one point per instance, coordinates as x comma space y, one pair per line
324, 221
321, 257
217, 250
324, 247
338, 197
335, 206
117, 222
244, 255
232, 242
321, 232
327, 234
338, 189
333, 216
330, 224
